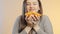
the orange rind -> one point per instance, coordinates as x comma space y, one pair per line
32, 13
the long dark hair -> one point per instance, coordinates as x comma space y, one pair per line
23, 23
24, 7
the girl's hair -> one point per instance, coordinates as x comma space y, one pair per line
40, 6
23, 22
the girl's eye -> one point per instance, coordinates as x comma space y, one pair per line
27, 3
34, 3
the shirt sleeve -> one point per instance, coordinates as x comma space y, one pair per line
47, 27
16, 27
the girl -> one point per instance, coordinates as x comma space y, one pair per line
32, 24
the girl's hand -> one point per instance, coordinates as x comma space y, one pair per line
32, 20
36, 22
29, 21
35, 19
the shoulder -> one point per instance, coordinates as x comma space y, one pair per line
18, 17
45, 17
46, 20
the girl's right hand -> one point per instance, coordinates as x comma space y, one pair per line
29, 21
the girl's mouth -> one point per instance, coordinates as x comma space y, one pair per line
31, 9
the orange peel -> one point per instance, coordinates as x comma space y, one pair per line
32, 13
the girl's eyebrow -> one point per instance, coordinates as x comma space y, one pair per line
33, 2
28, 2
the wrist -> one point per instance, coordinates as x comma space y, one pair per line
36, 28
27, 29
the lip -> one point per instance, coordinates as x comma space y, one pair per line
31, 9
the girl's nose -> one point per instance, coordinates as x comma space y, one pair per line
31, 6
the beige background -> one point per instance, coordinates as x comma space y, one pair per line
13, 8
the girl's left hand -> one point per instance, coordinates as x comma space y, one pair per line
36, 22
36, 19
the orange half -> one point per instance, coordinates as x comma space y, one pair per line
30, 13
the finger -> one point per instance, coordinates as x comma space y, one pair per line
37, 17
26, 18
29, 18
34, 22
33, 17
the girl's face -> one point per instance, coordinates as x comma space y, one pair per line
32, 5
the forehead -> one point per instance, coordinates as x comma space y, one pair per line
32, 1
